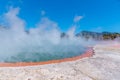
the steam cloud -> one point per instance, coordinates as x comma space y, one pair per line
44, 40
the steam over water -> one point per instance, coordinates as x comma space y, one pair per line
39, 44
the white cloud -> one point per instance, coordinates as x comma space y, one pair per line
77, 18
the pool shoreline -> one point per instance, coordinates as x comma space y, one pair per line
88, 53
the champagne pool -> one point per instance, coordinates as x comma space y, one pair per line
42, 42
40, 54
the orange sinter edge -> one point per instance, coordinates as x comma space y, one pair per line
88, 53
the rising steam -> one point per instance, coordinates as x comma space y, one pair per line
44, 40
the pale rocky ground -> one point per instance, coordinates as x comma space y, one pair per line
104, 65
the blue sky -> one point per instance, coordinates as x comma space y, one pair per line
98, 15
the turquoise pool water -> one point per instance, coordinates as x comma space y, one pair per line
37, 56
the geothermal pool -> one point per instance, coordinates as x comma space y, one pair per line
40, 55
